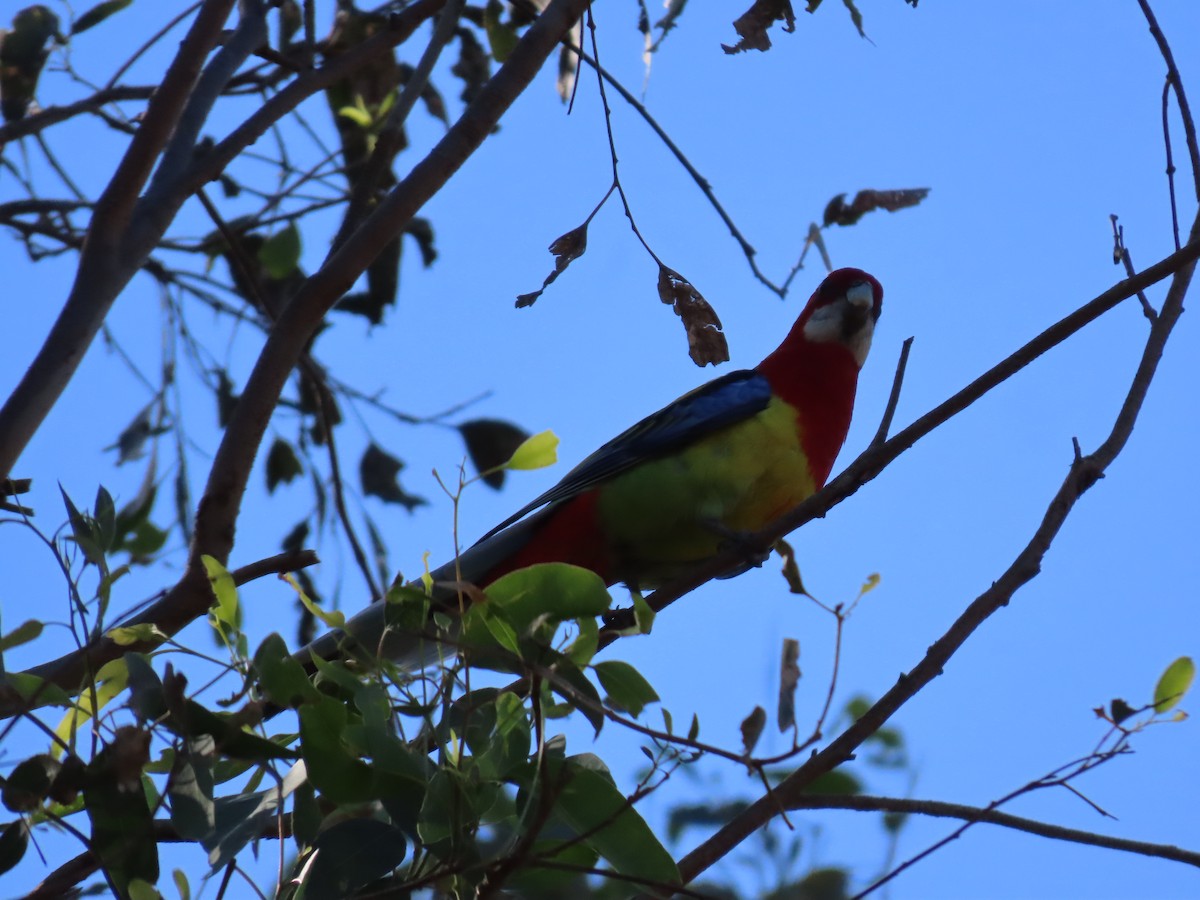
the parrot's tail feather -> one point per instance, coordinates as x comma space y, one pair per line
367, 632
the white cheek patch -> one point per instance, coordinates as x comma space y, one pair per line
827, 326
860, 343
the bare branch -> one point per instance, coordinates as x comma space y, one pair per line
107, 262
1083, 473
1185, 110
876, 458
867, 803
217, 516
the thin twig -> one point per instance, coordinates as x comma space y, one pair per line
1082, 474
889, 412
1185, 110
937, 808
1166, 122
1121, 256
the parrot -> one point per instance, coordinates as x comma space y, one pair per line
673, 490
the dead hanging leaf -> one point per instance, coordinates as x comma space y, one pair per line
706, 341
752, 729
24, 49
789, 677
378, 470
753, 24
670, 18
815, 239
491, 443
791, 569
566, 249
474, 65
131, 443
839, 212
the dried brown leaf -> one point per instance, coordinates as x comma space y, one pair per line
706, 341
753, 24
791, 569
839, 212
566, 249
752, 729
789, 677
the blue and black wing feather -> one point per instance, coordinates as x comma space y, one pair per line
721, 402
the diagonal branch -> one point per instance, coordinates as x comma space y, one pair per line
216, 517
878, 456
105, 266
866, 803
1083, 473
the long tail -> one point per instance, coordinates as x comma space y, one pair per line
477, 565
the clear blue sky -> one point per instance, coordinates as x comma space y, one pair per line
1031, 122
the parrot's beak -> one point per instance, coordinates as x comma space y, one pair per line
861, 296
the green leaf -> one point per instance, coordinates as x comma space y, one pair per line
352, 854
1174, 683
332, 619
532, 881
28, 784
139, 889
27, 631
446, 810
568, 672
835, 782
282, 465
501, 38
106, 518
537, 452
143, 632
280, 253
306, 815
190, 790
359, 114
111, 680
84, 531
282, 679
337, 773
225, 610
829, 883
35, 691
509, 749
643, 614
241, 818
591, 805
584, 647
181, 884
560, 590
98, 14
490, 444
627, 689
120, 811
14, 841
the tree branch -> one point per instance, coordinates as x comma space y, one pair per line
106, 264
217, 515
1083, 473
877, 457
865, 803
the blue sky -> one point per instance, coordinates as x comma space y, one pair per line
1031, 123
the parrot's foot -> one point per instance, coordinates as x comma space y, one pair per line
752, 553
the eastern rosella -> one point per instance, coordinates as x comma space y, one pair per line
722, 460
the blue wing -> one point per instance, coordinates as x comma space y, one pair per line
712, 406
